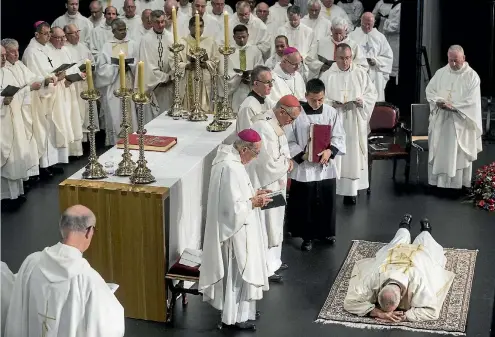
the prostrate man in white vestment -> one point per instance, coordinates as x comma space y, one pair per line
154, 52
132, 20
455, 128
96, 17
241, 64
311, 210
353, 8
331, 11
57, 293
72, 16
352, 93
257, 100
391, 29
269, 172
404, 281
281, 43
107, 79
316, 21
377, 51
103, 33
7, 282
233, 267
278, 12
287, 78
323, 53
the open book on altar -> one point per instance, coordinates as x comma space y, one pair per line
320, 136
278, 200
151, 143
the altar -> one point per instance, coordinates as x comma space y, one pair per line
141, 230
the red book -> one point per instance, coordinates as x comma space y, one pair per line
151, 143
319, 140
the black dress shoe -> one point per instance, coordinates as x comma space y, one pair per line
349, 200
283, 266
406, 222
275, 278
425, 225
245, 326
257, 314
329, 239
45, 173
307, 245
56, 170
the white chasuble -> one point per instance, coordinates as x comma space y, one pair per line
259, 35
287, 84
133, 24
347, 86
454, 137
320, 26
57, 293
213, 29
233, 269
253, 105
375, 46
279, 15
7, 281
99, 36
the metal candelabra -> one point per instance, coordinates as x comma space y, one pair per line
226, 111
216, 125
197, 114
142, 174
126, 166
176, 112
94, 170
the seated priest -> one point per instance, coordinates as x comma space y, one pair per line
233, 270
287, 78
281, 42
404, 281
7, 281
57, 292
454, 133
241, 64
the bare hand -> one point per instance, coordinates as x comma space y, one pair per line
390, 317
441, 104
60, 75
7, 100
67, 83
260, 200
83, 75
325, 156
261, 192
359, 102
49, 80
291, 165
371, 62
36, 86
448, 106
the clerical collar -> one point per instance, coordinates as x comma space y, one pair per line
157, 32
259, 98
309, 110
72, 16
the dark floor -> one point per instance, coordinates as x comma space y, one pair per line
290, 309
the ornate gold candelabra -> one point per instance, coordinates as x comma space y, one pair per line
216, 125
126, 166
226, 111
197, 114
176, 112
142, 174
94, 170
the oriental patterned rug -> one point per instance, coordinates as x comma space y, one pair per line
455, 309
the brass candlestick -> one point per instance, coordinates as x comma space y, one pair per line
126, 166
176, 112
94, 170
142, 174
216, 125
226, 112
197, 114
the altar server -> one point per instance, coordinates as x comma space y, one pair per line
7, 281
278, 12
73, 16
352, 93
281, 43
287, 78
233, 269
57, 292
353, 8
316, 21
311, 212
454, 133
269, 171
331, 11
377, 51
108, 80
101, 34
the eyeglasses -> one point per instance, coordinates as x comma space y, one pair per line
269, 82
74, 33
288, 114
256, 153
295, 65
59, 38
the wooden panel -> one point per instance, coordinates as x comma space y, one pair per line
129, 244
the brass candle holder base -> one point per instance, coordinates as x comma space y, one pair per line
176, 111
218, 126
93, 170
197, 114
226, 111
126, 166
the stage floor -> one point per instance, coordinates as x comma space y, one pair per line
289, 309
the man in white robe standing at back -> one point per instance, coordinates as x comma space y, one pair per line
132, 19
281, 43
331, 11
72, 16
103, 33
212, 28
57, 292
287, 78
454, 132
96, 17
353, 8
269, 172
278, 12
352, 93
316, 21
233, 267
377, 51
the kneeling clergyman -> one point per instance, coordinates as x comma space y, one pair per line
233, 270
454, 132
311, 210
404, 281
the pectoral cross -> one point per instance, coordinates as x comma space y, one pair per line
449, 97
345, 95
44, 324
49, 60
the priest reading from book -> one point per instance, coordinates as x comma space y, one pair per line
269, 172
7, 281
108, 79
316, 139
352, 93
257, 100
404, 281
377, 51
287, 78
241, 65
233, 270
208, 64
57, 292
454, 133
323, 53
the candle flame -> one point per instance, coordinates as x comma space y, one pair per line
225, 13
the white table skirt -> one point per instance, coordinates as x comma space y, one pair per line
184, 169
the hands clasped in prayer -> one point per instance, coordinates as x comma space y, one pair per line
261, 199
388, 317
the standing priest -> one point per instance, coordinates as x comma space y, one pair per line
233, 270
287, 80
454, 133
350, 90
72, 16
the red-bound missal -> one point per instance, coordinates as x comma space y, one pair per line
151, 143
319, 140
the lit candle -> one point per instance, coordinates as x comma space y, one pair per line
122, 69
89, 75
198, 34
174, 23
141, 77
226, 26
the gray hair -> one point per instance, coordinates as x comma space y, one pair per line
242, 4
314, 2
239, 144
456, 48
10, 43
255, 74
389, 297
155, 15
341, 23
75, 223
296, 10
118, 23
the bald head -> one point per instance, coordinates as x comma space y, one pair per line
456, 57
389, 298
95, 6
70, 28
169, 4
76, 219
262, 11
367, 22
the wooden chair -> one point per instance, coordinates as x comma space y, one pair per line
420, 114
384, 124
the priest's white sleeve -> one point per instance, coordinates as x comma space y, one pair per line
385, 57
294, 147
338, 134
7, 283
424, 304
369, 98
360, 293
106, 72
312, 62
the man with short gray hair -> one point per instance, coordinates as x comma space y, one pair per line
57, 292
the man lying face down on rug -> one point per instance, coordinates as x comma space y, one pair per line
404, 282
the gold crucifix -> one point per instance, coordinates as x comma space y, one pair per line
44, 324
